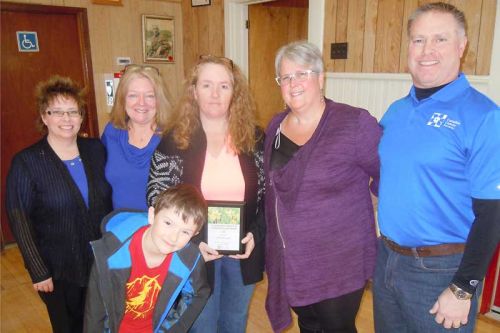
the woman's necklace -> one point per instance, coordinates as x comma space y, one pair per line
64, 151
141, 136
299, 130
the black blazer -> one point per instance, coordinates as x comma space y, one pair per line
48, 215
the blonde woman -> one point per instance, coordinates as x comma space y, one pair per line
138, 117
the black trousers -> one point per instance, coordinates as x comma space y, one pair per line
334, 315
66, 306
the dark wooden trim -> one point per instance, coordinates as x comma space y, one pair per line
88, 73
288, 3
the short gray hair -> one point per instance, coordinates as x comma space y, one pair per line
439, 7
302, 53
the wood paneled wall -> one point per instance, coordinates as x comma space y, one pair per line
203, 31
375, 31
116, 31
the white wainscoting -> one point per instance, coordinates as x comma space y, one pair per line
375, 92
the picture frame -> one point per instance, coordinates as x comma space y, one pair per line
225, 226
198, 3
108, 2
158, 38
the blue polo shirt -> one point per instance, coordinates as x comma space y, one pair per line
436, 155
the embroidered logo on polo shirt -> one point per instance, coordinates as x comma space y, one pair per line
440, 119
437, 119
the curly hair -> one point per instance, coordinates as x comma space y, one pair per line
119, 117
47, 92
242, 118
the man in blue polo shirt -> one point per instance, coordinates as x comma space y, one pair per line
439, 197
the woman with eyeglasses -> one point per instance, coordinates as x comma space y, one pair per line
139, 115
56, 197
319, 158
214, 143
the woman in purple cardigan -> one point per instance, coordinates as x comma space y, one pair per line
319, 158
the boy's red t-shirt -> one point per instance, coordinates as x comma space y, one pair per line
142, 288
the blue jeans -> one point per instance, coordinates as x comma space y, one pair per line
227, 308
406, 287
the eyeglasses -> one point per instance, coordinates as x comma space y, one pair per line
299, 76
60, 114
132, 67
211, 58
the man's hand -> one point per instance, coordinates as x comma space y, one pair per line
45, 286
450, 311
250, 245
208, 253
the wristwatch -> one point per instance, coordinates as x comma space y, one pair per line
459, 292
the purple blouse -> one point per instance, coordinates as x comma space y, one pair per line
320, 240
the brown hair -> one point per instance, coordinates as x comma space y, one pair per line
47, 92
186, 200
119, 117
242, 116
440, 7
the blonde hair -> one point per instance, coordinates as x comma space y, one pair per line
440, 7
119, 117
47, 92
242, 119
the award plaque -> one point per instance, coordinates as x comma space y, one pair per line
225, 226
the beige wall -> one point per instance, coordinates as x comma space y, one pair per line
115, 31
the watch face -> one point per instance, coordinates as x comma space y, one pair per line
461, 294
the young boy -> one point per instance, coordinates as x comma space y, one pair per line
147, 275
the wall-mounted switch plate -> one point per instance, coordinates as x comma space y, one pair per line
338, 51
110, 92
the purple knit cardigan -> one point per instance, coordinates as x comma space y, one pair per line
320, 240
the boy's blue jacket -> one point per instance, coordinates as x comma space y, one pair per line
183, 294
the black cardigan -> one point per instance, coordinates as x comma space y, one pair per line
47, 213
171, 166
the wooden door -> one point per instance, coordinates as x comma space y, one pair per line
64, 49
272, 25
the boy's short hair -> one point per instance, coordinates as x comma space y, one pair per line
186, 200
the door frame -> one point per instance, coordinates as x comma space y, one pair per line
83, 30
236, 33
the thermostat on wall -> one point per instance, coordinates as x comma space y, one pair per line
123, 61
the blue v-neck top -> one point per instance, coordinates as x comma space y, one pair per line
127, 167
77, 172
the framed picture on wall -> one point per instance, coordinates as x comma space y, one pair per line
196, 3
158, 42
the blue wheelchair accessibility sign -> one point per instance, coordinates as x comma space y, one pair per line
27, 41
